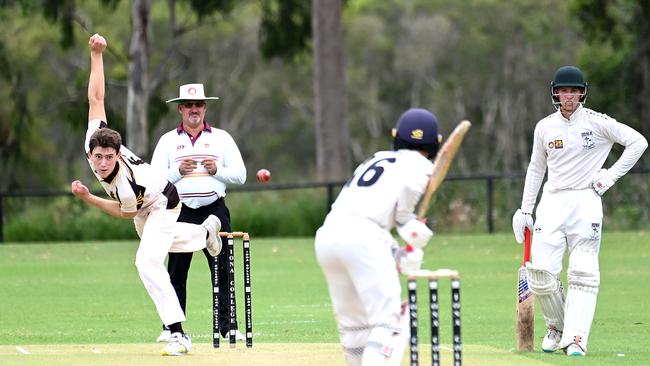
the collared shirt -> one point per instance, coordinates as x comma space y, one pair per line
384, 189
135, 184
199, 188
575, 149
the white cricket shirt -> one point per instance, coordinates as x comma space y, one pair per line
199, 188
575, 149
135, 184
384, 189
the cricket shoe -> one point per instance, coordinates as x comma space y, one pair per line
551, 342
179, 345
575, 350
165, 336
213, 243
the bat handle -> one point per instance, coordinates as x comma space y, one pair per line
527, 246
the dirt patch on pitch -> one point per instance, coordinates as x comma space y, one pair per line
267, 354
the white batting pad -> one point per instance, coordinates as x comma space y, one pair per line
380, 345
584, 280
399, 340
548, 290
580, 309
415, 233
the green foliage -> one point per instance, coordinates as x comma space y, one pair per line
458, 206
285, 28
272, 213
617, 56
278, 213
62, 219
204, 8
449, 56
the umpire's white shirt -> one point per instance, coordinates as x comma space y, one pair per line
199, 188
575, 149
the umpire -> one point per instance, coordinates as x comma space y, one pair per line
200, 160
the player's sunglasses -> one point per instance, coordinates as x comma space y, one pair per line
195, 104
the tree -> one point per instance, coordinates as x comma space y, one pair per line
137, 105
332, 134
619, 59
285, 30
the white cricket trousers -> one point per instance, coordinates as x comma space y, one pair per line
159, 234
355, 256
564, 220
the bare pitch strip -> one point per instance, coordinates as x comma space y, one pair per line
232, 306
433, 276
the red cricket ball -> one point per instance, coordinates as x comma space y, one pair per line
263, 176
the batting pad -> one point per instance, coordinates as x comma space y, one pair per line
584, 280
548, 290
399, 340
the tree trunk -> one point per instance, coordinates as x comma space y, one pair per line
332, 135
137, 136
644, 66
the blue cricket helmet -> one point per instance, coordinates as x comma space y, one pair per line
417, 129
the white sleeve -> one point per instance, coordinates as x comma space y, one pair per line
535, 172
232, 169
408, 199
160, 160
635, 144
92, 127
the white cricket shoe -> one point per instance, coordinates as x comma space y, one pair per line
575, 350
165, 336
179, 345
551, 342
212, 225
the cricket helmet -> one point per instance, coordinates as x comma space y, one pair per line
417, 129
568, 76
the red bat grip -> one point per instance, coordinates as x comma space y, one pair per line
526, 246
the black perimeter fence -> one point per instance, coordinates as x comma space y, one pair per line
633, 190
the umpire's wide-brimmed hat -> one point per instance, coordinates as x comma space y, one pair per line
191, 92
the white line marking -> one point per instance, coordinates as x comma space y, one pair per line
324, 305
95, 350
22, 350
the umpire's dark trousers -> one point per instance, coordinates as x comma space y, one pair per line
178, 264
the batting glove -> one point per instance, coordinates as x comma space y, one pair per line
602, 181
410, 260
415, 232
520, 221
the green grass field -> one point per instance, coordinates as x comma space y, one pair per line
83, 303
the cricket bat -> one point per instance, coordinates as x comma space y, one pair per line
442, 163
525, 326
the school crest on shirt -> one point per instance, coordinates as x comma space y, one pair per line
556, 144
595, 231
587, 140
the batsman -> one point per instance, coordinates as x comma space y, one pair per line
357, 252
571, 145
